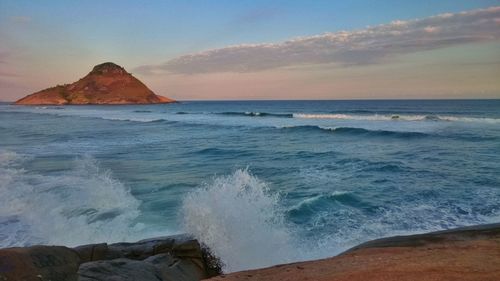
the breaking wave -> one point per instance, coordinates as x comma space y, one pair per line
360, 117
257, 114
82, 205
240, 221
395, 117
356, 131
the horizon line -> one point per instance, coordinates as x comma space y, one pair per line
250, 100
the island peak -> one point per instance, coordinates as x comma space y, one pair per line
108, 67
107, 83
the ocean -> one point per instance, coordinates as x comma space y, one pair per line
259, 182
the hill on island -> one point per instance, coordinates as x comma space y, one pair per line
107, 83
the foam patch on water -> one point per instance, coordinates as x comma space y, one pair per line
395, 117
82, 205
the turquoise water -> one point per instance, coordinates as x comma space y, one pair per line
296, 180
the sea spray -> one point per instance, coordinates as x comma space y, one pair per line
82, 205
241, 222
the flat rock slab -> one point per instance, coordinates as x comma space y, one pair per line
163, 267
471, 253
178, 245
118, 270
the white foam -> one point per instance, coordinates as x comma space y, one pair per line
339, 193
82, 205
240, 221
313, 199
469, 119
374, 117
396, 117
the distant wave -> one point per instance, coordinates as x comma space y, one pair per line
257, 114
50, 107
356, 131
362, 115
213, 151
119, 118
395, 117
97, 115
318, 200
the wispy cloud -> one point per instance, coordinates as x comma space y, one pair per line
361, 47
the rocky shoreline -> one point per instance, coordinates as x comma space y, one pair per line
164, 258
469, 253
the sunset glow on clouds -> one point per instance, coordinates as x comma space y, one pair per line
439, 55
361, 47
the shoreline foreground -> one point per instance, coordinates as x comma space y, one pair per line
467, 253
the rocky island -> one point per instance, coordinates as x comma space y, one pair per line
107, 83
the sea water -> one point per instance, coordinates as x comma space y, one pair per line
259, 182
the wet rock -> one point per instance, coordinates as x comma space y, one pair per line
176, 257
118, 270
176, 269
162, 267
38, 263
92, 252
177, 245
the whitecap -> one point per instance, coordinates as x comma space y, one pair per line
83, 205
242, 223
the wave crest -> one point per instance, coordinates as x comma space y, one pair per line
96, 208
395, 117
256, 114
356, 131
240, 221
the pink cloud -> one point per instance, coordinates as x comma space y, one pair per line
361, 47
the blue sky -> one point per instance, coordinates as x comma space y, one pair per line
68, 37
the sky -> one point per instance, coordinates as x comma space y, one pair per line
230, 50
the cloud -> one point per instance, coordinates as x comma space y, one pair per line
346, 48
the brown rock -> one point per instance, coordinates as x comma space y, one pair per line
92, 252
177, 257
177, 269
471, 253
162, 267
39, 263
118, 270
107, 83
